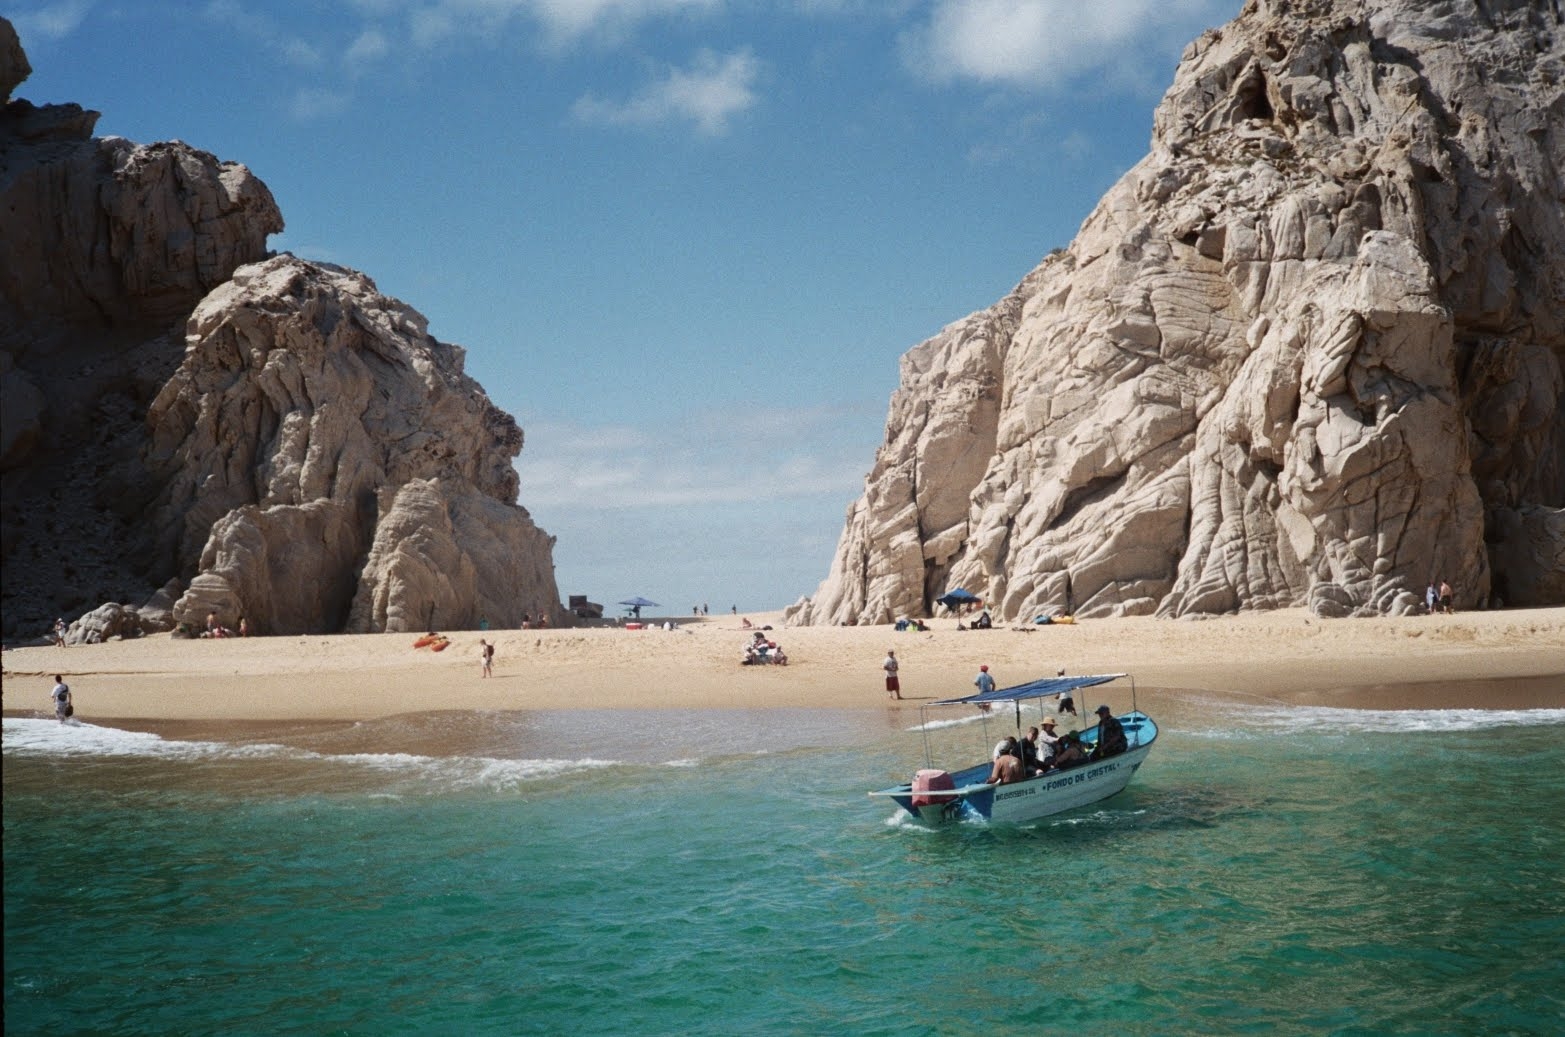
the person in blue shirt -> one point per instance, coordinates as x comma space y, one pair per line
983, 681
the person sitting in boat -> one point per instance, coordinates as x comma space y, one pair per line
1007, 766
1048, 743
1029, 751
1111, 735
1070, 752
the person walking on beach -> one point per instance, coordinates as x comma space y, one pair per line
488, 657
1431, 596
893, 685
62, 699
59, 633
1067, 699
1446, 604
983, 682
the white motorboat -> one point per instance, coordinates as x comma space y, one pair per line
936, 795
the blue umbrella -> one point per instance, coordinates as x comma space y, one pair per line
960, 596
640, 603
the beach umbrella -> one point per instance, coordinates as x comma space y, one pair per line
960, 596
640, 603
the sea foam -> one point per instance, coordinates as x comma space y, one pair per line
49, 738
1255, 720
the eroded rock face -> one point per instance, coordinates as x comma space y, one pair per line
108, 246
241, 444
329, 466
1308, 351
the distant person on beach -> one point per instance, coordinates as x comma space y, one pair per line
1446, 596
1431, 597
1067, 699
244, 627
488, 650
1111, 735
983, 682
62, 699
59, 633
893, 685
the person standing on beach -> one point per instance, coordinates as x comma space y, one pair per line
1446, 604
59, 633
1067, 700
983, 682
62, 699
1430, 597
893, 685
488, 657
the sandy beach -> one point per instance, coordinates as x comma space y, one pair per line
1503, 660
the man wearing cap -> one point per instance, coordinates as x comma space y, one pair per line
893, 686
983, 681
1111, 735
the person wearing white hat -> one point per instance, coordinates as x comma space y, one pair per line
1048, 742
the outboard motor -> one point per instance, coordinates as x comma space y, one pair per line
927, 781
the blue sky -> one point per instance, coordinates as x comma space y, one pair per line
684, 242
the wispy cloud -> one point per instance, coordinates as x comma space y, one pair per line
51, 21
237, 18
712, 91
367, 48
762, 455
569, 21
310, 103
1035, 43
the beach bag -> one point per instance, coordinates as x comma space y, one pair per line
70, 710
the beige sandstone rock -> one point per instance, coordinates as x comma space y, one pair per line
258, 454
1308, 351
108, 246
329, 466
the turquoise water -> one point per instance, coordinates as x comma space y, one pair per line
1278, 871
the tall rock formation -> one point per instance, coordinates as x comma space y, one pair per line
192, 427
1308, 351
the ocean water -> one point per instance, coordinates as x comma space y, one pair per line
1269, 871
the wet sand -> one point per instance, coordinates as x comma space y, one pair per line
1502, 660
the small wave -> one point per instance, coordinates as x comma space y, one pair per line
1331, 720
24, 736
49, 738
954, 722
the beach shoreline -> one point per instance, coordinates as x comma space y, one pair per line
1512, 659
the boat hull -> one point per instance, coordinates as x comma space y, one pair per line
1058, 791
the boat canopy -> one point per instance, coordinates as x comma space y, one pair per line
1033, 689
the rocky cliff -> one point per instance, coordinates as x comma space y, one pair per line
192, 426
1308, 351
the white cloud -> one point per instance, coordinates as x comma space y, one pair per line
370, 46
562, 22
709, 93
566, 21
748, 458
1045, 43
311, 103
293, 49
50, 22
